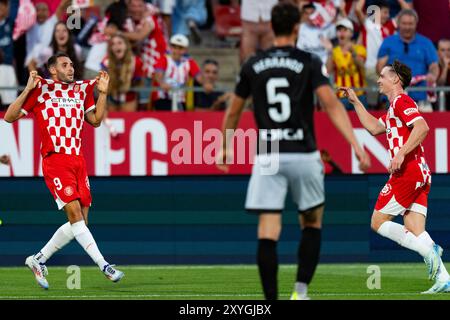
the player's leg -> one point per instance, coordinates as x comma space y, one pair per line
306, 182
397, 196
85, 212
382, 224
84, 237
61, 186
266, 195
415, 221
308, 250
269, 229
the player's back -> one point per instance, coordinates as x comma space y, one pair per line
282, 81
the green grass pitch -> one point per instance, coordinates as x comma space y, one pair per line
331, 282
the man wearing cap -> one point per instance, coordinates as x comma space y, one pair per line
173, 71
347, 62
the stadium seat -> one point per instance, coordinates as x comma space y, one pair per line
228, 20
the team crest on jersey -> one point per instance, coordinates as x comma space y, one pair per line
386, 189
68, 191
76, 88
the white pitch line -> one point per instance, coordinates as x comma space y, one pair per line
211, 295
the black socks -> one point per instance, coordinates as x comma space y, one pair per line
308, 254
268, 267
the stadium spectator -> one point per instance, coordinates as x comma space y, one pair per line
8, 14
444, 66
374, 29
416, 51
7, 79
41, 32
62, 41
166, 8
173, 71
347, 62
211, 98
125, 71
434, 19
5, 159
256, 30
187, 16
313, 36
143, 30
113, 21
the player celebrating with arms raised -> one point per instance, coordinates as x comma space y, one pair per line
407, 190
60, 106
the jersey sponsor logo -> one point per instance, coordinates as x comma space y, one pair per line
68, 191
65, 100
410, 111
386, 189
281, 134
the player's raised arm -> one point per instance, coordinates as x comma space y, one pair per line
339, 117
372, 124
96, 116
14, 111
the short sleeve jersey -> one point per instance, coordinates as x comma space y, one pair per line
401, 115
282, 81
59, 109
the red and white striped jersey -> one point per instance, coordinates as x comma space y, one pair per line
59, 109
402, 113
154, 46
176, 73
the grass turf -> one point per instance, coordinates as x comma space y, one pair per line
331, 282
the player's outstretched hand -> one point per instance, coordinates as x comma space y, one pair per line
5, 159
33, 80
102, 82
350, 94
363, 158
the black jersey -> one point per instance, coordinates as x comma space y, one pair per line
282, 81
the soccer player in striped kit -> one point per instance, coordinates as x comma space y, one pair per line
60, 107
406, 192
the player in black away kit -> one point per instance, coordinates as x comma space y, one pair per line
282, 81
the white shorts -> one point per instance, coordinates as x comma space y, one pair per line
301, 173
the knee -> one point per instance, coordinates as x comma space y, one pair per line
311, 220
376, 223
269, 232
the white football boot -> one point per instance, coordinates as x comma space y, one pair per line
39, 270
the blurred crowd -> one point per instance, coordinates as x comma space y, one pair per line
145, 44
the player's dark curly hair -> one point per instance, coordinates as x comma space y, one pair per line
285, 15
403, 72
